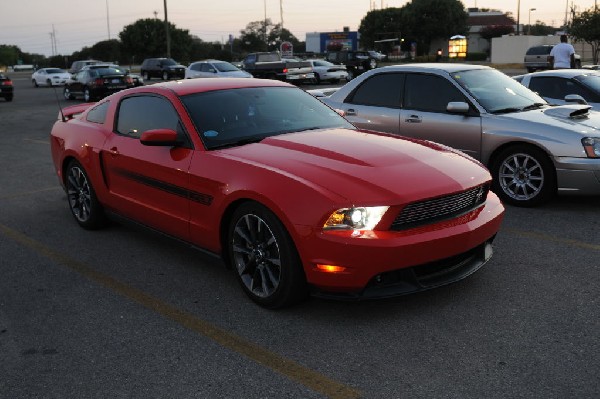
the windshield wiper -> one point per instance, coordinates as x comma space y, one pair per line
242, 141
506, 110
533, 106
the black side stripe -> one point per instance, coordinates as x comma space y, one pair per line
195, 196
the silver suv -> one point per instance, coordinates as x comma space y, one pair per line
536, 58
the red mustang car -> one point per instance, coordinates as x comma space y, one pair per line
292, 196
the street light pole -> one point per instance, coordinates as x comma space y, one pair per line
167, 30
529, 22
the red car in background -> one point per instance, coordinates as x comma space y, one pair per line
286, 191
6, 87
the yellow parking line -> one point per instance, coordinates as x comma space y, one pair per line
26, 193
548, 237
294, 371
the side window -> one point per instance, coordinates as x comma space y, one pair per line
429, 93
98, 113
81, 76
140, 113
381, 90
553, 87
205, 67
195, 67
250, 59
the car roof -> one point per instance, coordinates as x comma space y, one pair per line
210, 60
189, 86
434, 67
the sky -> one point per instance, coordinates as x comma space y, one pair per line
31, 24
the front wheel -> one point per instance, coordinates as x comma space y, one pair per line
264, 257
165, 76
84, 204
35, 83
524, 176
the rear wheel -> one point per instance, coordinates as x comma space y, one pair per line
87, 95
82, 199
523, 175
165, 76
264, 257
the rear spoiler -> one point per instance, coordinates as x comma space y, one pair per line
72, 111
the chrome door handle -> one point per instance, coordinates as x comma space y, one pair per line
413, 119
351, 112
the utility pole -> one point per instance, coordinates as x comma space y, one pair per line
281, 13
518, 15
107, 21
167, 30
265, 26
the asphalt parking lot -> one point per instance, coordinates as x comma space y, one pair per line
123, 313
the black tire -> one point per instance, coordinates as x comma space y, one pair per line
48, 83
165, 75
87, 95
264, 257
67, 93
530, 70
351, 74
9, 97
523, 175
35, 83
81, 197
145, 75
372, 63
317, 78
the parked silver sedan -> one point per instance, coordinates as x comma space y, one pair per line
562, 86
50, 77
533, 150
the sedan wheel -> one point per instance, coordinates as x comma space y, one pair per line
87, 96
145, 76
165, 76
82, 199
264, 257
67, 94
372, 63
524, 176
35, 83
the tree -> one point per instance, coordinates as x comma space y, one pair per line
539, 29
432, 19
147, 38
586, 27
9, 54
107, 50
382, 24
256, 35
491, 31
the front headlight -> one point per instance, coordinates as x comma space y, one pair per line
591, 146
358, 218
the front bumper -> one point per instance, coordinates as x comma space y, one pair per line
388, 263
578, 175
301, 77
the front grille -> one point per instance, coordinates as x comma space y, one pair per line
441, 208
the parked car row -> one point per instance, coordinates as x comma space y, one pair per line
532, 149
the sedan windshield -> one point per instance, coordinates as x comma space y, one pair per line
496, 92
55, 70
226, 118
225, 67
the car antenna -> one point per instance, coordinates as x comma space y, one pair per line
62, 115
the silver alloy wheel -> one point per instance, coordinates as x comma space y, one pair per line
67, 94
79, 194
256, 255
521, 176
86, 95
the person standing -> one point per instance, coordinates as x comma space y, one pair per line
562, 55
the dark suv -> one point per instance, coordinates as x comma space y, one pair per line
164, 68
356, 62
536, 58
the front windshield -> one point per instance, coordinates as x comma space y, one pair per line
55, 70
225, 67
168, 61
496, 92
591, 81
227, 118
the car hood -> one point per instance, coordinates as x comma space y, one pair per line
177, 66
576, 118
234, 74
365, 167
